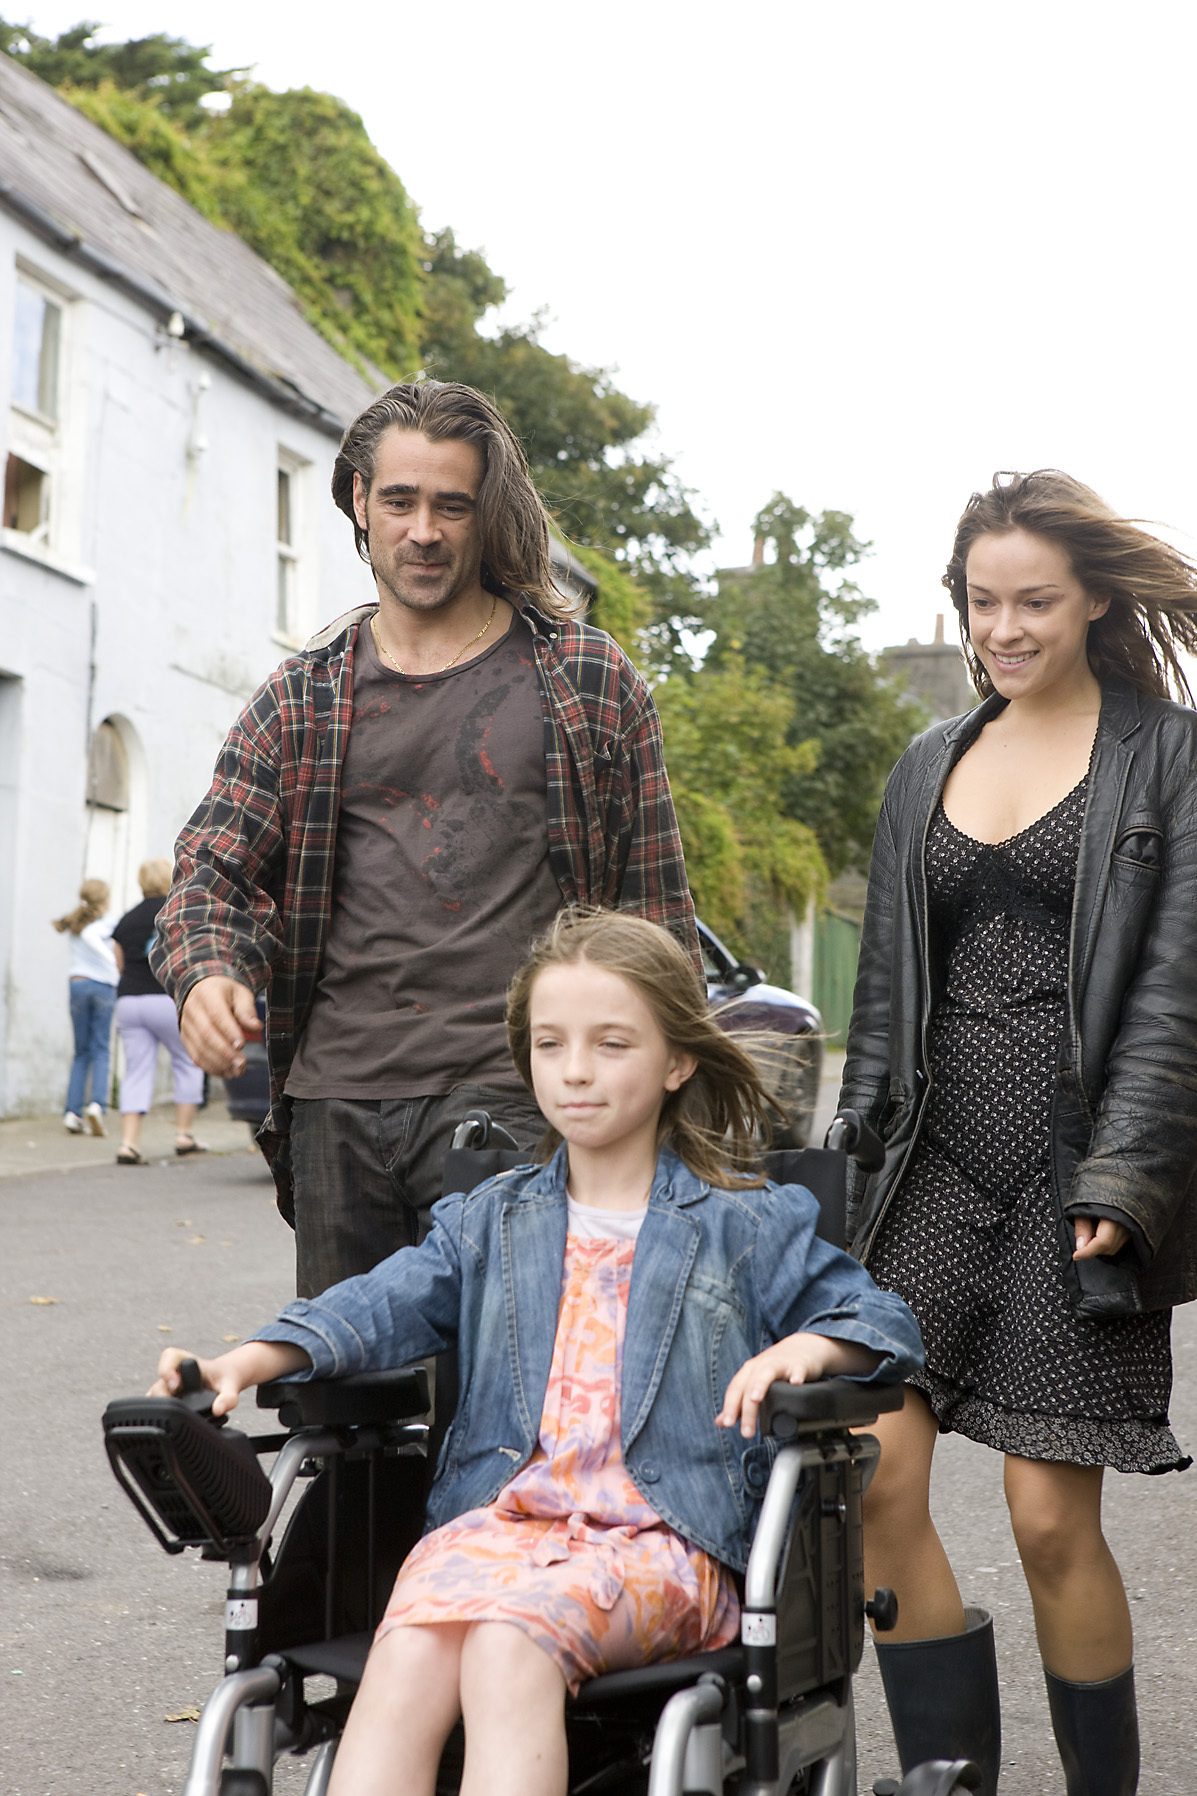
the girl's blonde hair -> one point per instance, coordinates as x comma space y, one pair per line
1152, 587
710, 1122
154, 877
94, 894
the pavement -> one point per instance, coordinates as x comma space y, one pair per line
107, 1646
41, 1144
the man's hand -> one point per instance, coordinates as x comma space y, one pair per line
254, 1362
1098, 1237
218, 1014
800, 1358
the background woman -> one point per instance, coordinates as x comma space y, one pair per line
146, 1019
93, 978
1025, 1037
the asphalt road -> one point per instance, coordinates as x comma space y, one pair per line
104, 1637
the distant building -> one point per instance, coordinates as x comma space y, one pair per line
935, 673
170, 424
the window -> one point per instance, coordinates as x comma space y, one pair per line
33, 485
26, 498
294, 553
37, 335
285, 616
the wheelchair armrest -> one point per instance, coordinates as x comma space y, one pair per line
790, 1410
194, 1483
364, 1398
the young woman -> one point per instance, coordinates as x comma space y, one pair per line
1025, 1038
587, 1513
93, 978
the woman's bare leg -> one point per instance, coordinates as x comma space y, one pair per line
513, 1707
402, 1715
1082, 1617
901, 1547
185, 1115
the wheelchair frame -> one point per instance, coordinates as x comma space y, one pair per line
766, 1718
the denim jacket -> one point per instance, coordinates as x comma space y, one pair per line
717, 1277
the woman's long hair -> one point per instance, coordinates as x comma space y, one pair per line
1152, 587
710, 1120
94, 894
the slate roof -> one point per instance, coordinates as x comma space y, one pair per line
95, 201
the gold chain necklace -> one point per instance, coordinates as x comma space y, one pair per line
383, 650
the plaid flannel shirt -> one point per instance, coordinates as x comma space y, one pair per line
252, 891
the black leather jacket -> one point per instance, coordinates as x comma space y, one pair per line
1124, 1109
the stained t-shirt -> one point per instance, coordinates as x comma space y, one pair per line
442, 878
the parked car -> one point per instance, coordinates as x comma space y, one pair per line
782, 1032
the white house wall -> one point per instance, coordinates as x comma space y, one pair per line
172, 563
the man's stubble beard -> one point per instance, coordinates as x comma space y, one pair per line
460, 581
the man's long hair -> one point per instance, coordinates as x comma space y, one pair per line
511, 516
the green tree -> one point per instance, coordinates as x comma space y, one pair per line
166, 69
727, 736
581, 434
795, 619
301, 182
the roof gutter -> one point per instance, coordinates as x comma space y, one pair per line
156, 300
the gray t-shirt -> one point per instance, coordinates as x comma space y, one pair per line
442, 878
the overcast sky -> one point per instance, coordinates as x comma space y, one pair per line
859, 251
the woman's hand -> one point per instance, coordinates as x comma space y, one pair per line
1098, 1237
255, 1362
800, 1359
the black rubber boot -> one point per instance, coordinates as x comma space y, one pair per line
943, 1698
1097, 1730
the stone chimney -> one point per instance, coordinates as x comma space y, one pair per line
758, 551
939, 629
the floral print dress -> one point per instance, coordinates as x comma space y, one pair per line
569, 1550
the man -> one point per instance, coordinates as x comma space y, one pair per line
398, 811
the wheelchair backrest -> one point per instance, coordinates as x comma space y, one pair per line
822, 1170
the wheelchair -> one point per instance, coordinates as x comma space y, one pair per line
771, 1716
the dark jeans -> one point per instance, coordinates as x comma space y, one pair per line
368, 1171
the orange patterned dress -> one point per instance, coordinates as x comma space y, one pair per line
569, 1551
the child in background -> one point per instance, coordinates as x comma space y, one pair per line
619, 1314
93, 976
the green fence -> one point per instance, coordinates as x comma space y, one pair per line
837, 945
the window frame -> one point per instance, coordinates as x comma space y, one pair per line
294, 556
49, 444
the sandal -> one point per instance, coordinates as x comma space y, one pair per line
128, 1155
187, 1144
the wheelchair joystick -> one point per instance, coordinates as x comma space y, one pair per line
882, 1610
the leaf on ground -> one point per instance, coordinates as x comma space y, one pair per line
230, 1337
44, 1300
195, 1240
164, 1328
189, 1714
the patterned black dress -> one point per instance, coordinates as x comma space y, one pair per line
970, 1238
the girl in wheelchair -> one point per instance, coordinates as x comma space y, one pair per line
619, 1314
